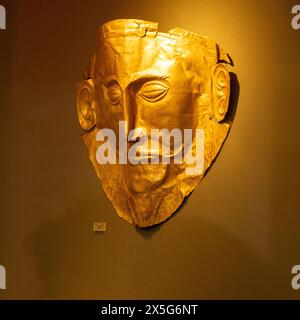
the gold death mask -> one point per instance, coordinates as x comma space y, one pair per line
141, 80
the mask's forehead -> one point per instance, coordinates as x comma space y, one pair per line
128, 47
124, 56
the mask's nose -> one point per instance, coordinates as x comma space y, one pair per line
131, 112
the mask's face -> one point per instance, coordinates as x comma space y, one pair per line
148, 80
140, 84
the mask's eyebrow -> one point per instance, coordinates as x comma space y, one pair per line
148, 75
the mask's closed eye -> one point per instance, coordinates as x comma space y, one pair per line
153, 91
112, 93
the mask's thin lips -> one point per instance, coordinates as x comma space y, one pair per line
151, 155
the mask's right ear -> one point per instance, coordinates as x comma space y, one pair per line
86, 104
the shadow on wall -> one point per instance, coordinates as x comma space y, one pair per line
234, 97
197, 260
148, 232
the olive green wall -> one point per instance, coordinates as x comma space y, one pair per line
237, 235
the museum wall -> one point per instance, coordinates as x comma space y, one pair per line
236, 236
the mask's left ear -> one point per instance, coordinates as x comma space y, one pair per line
220, 90
86, 104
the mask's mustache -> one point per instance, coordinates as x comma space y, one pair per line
150, 148
149, 153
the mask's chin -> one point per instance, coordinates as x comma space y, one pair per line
141, 178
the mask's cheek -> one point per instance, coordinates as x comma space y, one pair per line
108, 115
175, 110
